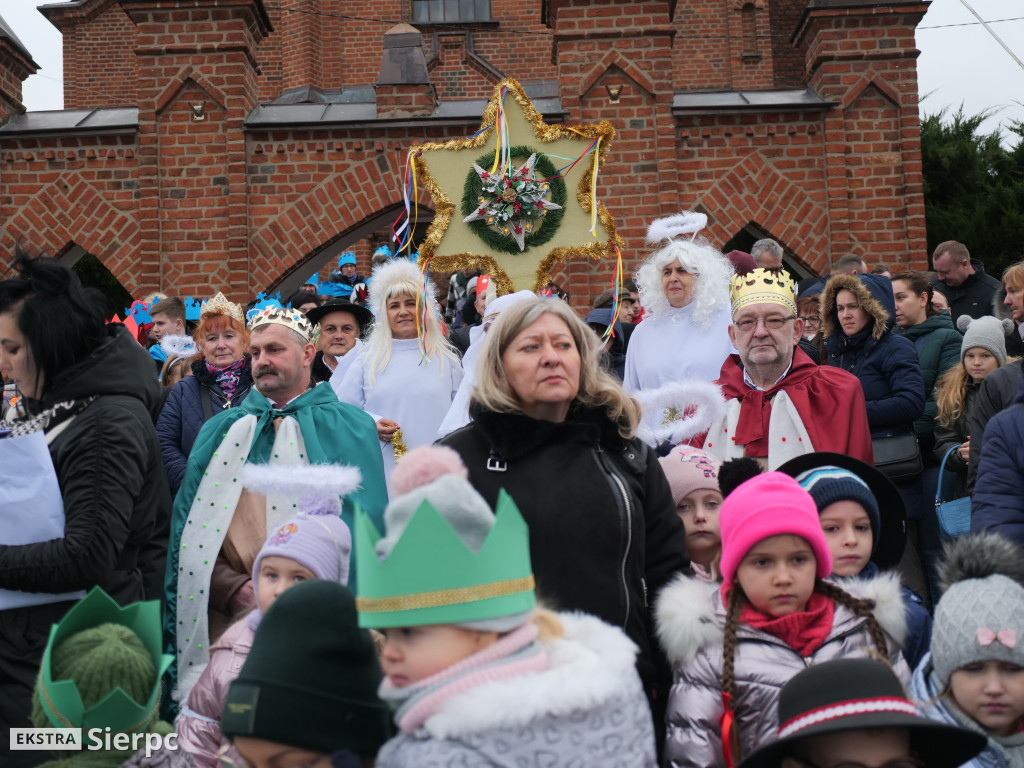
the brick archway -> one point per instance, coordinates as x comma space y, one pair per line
58, 214
755, 192
338, 211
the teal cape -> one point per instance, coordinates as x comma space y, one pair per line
333, 433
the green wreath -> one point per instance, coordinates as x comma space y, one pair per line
549, 222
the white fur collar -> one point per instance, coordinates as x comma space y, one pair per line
688, 619
592, 663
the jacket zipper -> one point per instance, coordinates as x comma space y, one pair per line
617, 483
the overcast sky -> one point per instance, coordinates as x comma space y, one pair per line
960, 61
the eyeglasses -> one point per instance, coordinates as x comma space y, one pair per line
773, 323
911, 762
811, 319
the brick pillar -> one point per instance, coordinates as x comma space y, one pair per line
99, 53
403, 85
197, 70
621, 44
15, 65
863, 58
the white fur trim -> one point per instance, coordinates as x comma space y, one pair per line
178, 344
885, 591
704, 397
323, 479
671, 227
592, 663
685, 618
784, 422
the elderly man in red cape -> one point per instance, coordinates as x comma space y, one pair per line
780, 404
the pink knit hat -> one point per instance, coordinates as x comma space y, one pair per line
771, 504
688, 470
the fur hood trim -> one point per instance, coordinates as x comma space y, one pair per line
590, 664
871, 305
689, 616
886, 591
686, 620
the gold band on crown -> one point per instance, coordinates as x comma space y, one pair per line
289, 318
762, 286
443, 597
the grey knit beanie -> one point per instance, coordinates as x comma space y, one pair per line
986, 332
981, 614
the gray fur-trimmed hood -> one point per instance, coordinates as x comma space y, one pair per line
690, 614
874, 292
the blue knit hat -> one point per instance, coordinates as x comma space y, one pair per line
829, 484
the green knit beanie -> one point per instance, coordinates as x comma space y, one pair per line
99, 660
311, 678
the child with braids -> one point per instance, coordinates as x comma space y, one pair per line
733, 650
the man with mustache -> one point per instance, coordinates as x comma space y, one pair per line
780, 404
218, 526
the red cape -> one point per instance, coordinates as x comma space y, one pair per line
830, 402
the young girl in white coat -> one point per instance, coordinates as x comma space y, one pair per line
774, 615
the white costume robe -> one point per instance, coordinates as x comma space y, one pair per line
671, 348
414, 396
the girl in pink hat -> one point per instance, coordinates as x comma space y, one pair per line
774, 615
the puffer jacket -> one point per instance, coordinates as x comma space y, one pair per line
690, 624
182, 416
927, 693
588, 708
998, 502
997, 393
198, 725
580, 481
885, 363
938, 349
948, 437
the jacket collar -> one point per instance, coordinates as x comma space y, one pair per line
514, 435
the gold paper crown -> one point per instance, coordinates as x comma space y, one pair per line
289, 318
762, 286
220, 303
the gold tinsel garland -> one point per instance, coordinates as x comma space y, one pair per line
397, 444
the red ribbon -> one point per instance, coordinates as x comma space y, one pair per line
728, 717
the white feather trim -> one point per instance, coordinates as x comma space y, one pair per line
591, 664
885, 591
398, 275
291, 480
178, 345
685, 618
674, 399
671, 227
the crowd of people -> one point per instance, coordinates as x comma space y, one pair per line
371, 527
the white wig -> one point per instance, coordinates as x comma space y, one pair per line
696, 255
400, 277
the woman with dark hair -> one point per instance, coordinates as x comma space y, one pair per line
556, 432
89, 388
221, 378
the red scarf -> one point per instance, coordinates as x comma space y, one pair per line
804, 632
830, 402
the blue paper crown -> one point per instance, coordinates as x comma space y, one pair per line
264, 302
193, 309
140, 311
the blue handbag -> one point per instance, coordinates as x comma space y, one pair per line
954, 516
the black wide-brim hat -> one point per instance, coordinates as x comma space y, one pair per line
362, 315
858, 694
892, 512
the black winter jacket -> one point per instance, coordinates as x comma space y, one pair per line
973, 297
117, 505
604, 535
948, 437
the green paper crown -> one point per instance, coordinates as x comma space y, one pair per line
432, 577
61, 699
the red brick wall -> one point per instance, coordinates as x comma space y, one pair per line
189, 207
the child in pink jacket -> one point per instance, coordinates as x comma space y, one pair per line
315, 544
